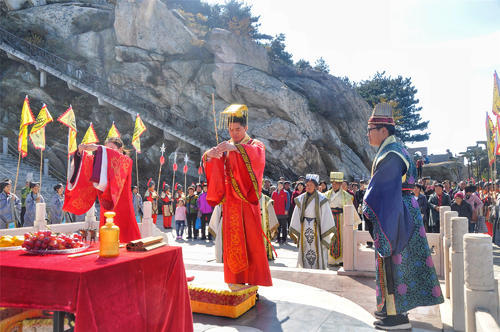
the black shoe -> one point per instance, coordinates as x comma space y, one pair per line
189, 237
380, 314
390, 323
203, 238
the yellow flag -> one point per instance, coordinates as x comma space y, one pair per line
490, 138
139, 129
113, 132
37, 134
496, 95
68, 118
90, 136
72, 142
27, 118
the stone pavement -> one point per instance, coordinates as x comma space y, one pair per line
355, 293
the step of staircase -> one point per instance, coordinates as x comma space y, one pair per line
8, 166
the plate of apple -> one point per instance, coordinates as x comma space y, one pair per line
46, 242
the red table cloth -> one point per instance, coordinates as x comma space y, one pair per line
136, 291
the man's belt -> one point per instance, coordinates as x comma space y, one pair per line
337, 210
407, 186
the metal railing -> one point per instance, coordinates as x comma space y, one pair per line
148, 110
35, 162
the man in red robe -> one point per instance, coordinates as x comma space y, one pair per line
108, 176
234, 171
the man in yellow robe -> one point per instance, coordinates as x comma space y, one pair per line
338, 198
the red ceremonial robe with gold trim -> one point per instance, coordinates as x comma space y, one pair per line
236, 179
108, 176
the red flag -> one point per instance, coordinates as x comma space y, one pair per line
200, 170
175, 167
185, 169
162, 160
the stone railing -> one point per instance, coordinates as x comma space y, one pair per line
146, 227
469, 278
358, 258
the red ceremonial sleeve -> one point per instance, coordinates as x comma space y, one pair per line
80, 192
214, 170
246, 169
119, 169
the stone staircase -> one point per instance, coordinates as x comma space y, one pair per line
78, 79
8, 166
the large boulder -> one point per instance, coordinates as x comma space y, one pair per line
63, 21
230, 48
309, 121
148, 24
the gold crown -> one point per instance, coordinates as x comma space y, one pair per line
233, 111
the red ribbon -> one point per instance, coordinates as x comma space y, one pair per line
185, 169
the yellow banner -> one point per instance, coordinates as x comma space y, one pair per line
90, 136
68, 119
113, 132
496, 95
137, 145
37, 133
490, 138
27, 118
22, 144
42, 119
72, 142
38, 139
139, 129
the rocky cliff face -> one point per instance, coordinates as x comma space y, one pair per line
309, 121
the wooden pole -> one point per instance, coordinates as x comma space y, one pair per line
41, 165
159, 174
17, 173
67, 170
215, 120
173, 181
137, 169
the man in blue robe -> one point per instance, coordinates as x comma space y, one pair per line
406, 277
10, 205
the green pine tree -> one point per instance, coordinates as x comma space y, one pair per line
409, 124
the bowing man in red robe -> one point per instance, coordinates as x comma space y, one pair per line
106, 175
234, 171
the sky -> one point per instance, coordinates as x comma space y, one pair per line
449, 48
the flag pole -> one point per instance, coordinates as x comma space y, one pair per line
41, 165
17, 172
185, 176
199, 174
174, 165
215, 119
173, 181
69, 142
137, 169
